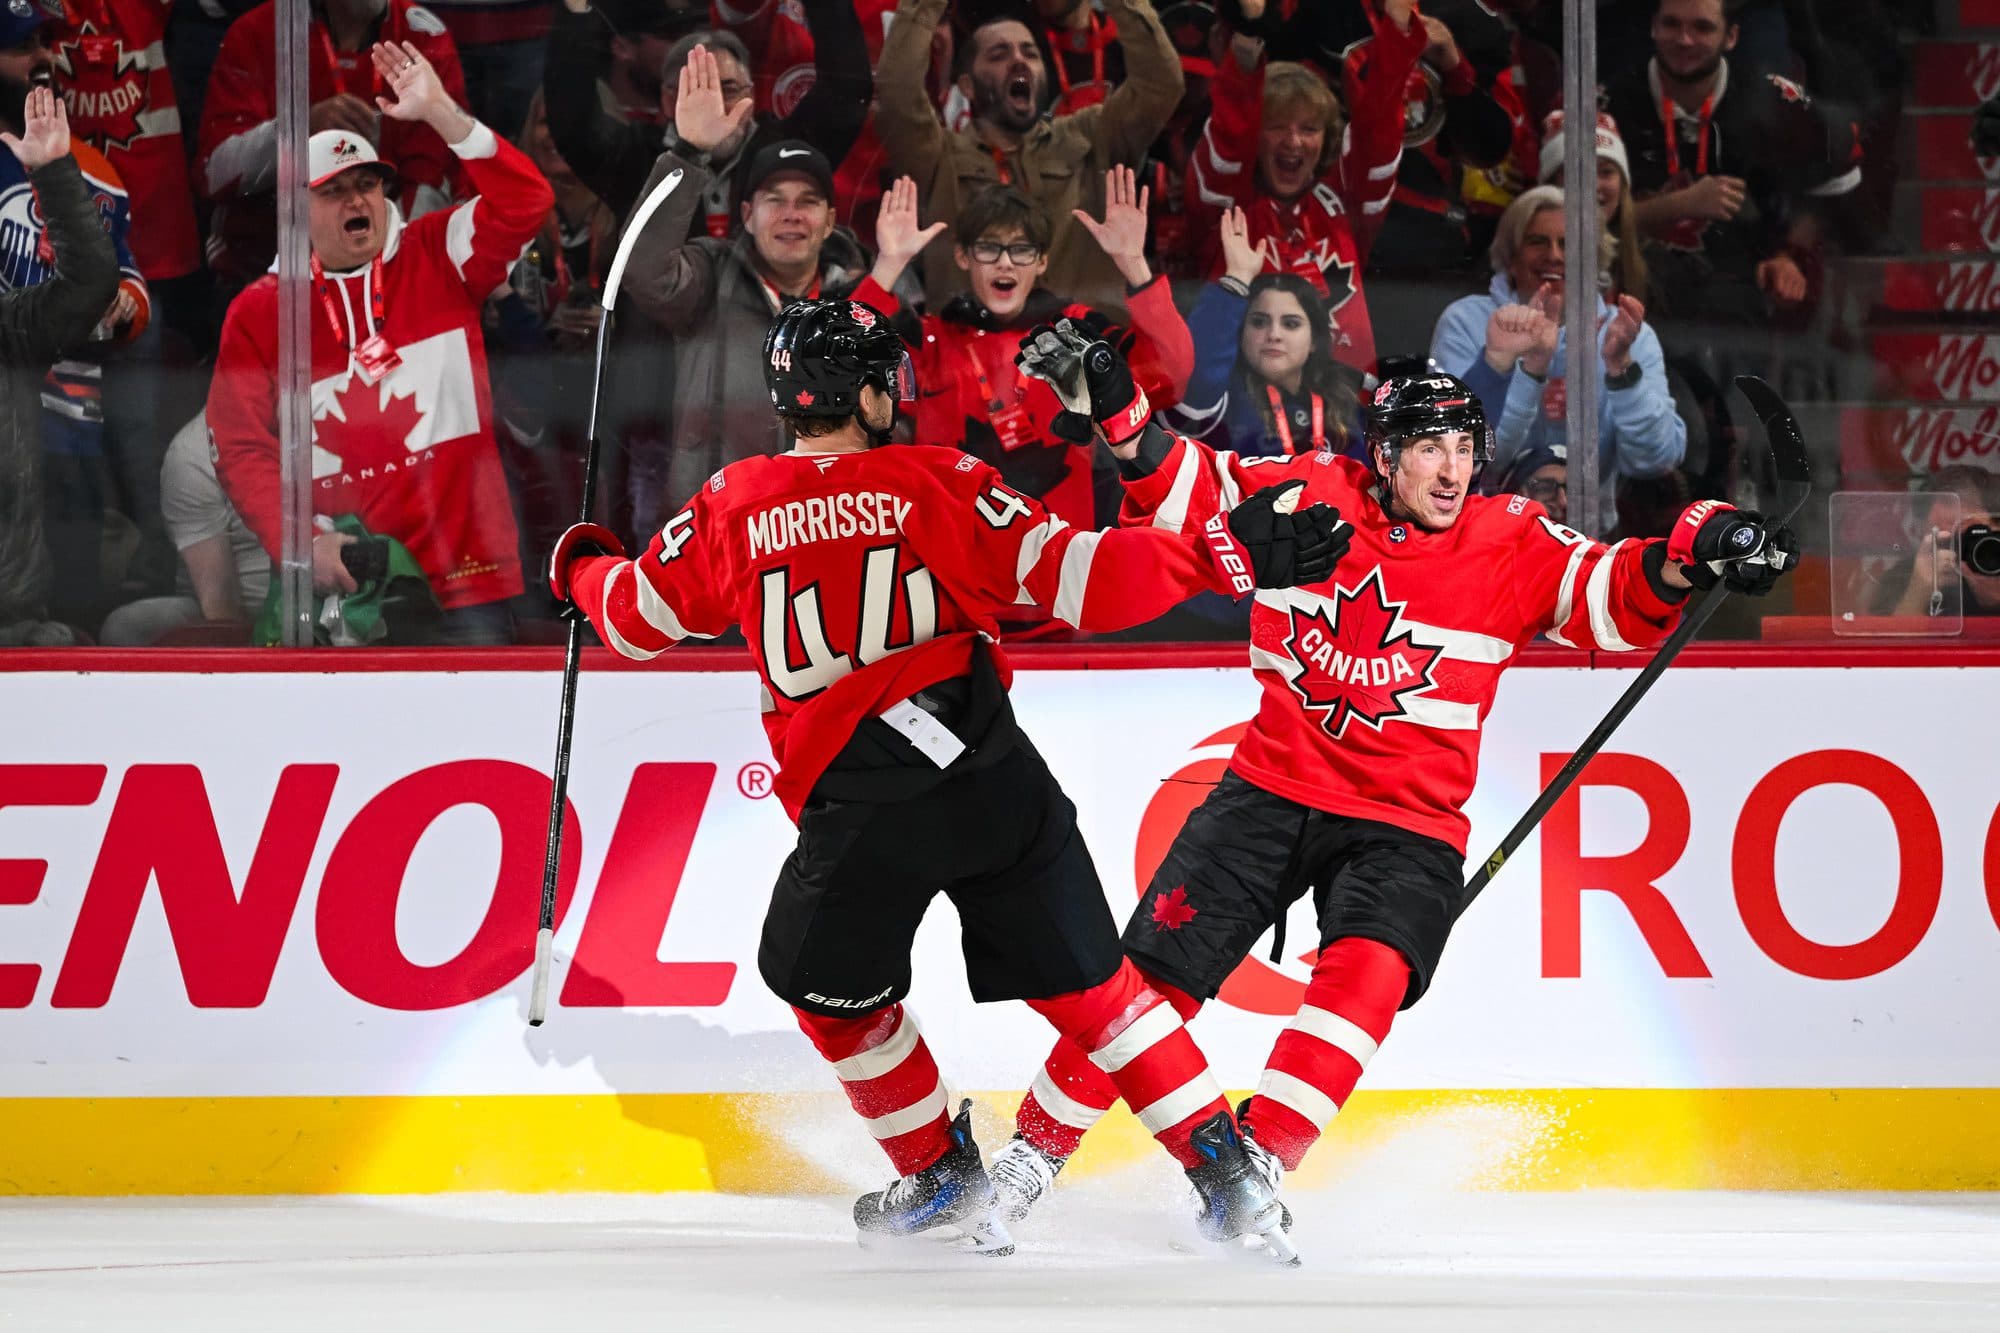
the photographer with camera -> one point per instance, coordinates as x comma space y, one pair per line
1960, 544
403, 443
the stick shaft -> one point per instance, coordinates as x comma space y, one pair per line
566, 713
1690, 626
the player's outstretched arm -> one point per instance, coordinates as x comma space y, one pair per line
640, 607
1630, 595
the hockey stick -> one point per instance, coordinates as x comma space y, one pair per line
1788, 456
545, 931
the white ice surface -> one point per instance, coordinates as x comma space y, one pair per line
1097, 1260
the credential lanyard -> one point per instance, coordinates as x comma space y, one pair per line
1285, 427
375, 301
778, 298
1097, 44
1668, 115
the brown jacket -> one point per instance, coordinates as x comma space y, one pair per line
1061, 162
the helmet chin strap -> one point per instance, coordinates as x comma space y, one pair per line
1385, 488
878, 438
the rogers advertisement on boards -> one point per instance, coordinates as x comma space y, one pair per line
311, 884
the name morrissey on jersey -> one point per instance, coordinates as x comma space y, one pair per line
823, 518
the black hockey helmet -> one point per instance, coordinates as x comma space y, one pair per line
818, 354
1432, 403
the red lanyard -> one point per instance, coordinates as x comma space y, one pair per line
986, 391
778, 298
1000, 161
333, 314
1285, 427
333, 60
1097, 45
1702, 117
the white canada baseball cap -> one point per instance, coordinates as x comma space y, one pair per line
331, 152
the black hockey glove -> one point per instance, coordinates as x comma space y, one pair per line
1090, 377
1284, 546
1714, 541
1986, 129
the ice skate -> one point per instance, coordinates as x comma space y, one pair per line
1236, 1191
953, 1191
1022, 1173
1263, 1159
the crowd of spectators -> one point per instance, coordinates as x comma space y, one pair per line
1266, 203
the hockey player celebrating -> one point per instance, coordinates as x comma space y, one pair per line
866, 580
1352, 778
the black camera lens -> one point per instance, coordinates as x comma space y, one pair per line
1979, 550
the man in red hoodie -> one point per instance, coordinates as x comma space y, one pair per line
402, 412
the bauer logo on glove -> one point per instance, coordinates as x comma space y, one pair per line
1286, 546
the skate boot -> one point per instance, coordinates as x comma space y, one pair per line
953, 1191
1263, 1159
1235, 1195
1022, 1173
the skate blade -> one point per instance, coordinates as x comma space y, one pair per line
1275, 1246
1259, 1249
988, 1239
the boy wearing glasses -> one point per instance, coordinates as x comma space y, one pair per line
972, 396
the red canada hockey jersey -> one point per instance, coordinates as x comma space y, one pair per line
111, 67
1377, 681
1324, 234
861, 578
412, 454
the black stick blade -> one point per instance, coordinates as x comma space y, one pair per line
1788, 443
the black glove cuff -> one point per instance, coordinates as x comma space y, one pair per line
1154, 446
1071, 427
1654, 560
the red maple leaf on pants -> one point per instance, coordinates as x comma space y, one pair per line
1171, 910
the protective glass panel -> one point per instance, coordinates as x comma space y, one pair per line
1893, 564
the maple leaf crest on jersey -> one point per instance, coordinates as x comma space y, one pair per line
106, 89
1350, 657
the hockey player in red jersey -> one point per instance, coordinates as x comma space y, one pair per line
1352, 778
866, 580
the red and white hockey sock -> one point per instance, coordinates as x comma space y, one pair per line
887, 1072
1138, 1048
1356, 988
1070, 1094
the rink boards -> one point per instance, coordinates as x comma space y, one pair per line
270, 932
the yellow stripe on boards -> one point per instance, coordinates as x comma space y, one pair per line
1821, 1139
